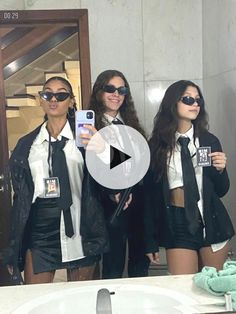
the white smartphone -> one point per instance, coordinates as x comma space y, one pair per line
83, 117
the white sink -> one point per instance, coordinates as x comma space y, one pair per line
127, 299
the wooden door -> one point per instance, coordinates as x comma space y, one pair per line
19, 19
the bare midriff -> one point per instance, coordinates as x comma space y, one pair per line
177, 197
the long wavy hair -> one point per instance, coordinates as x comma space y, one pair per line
71, 111
162, 141
127, 109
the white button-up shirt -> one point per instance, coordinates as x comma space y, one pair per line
38, 162
175, 174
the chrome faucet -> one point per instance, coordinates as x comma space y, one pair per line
103, 305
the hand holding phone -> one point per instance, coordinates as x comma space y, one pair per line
83, 117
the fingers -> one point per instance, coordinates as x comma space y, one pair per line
97, 145
10, 269
87, 135
117, 197
128, 202
85, 138
218, 160
154, 257
90, 128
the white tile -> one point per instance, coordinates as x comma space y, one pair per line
220, 99
219, 63
52, 4
137, 90
219, 45
154, 92
210, 39
220, 96
172, 39
116, 36
11, 4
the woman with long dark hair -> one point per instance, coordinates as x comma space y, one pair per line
57, 219
187, 178
112, 102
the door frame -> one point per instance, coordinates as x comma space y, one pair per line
12, 18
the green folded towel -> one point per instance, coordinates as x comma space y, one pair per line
218, 282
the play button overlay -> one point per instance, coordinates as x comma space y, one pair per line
117, 156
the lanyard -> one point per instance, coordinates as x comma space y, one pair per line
50, 156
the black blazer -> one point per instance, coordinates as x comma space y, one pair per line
218, 224
93, 227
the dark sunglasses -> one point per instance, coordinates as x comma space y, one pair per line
122, 90
61, 96
187, 100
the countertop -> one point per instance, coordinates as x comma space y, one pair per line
12, 297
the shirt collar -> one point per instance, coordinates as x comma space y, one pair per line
110, 118
44, 135
188, 134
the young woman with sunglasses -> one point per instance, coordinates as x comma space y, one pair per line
112, 102
167, 224
46, 237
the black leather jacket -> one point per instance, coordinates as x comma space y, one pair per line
93, 228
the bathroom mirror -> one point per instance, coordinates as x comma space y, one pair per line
34, 46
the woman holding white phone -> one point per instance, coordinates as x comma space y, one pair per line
112, 102
55, 223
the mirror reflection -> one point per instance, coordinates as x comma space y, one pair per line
23, 110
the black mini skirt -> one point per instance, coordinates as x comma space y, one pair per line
176, 235
44, 238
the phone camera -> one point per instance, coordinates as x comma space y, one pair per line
89, 115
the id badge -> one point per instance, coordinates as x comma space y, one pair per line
203, 160
51, 187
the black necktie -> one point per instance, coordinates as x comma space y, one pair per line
60, 170
117, 121
124, 195
191, 193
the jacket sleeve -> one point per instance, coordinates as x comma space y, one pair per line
20, 181
219, 179
10, 256
92, 226
150, 214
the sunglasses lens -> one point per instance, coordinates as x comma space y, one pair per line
46, 95
123, 90
109, 89
199, 101
190, 100
61, 96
